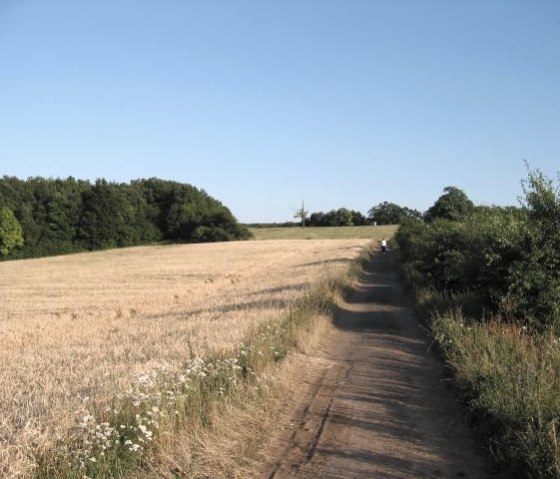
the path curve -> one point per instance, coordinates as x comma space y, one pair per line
378, 405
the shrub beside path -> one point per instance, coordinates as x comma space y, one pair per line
377, 403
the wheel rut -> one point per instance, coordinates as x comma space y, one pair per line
304, 440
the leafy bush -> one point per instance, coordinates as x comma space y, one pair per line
534, 279
210, 234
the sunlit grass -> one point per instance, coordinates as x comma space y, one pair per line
374, 233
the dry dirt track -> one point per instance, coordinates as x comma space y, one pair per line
377, 405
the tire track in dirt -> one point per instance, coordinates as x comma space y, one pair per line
305, 438
377, 405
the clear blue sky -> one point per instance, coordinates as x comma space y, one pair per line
265, 103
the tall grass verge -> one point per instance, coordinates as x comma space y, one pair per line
122, 439
489, 285
509, 379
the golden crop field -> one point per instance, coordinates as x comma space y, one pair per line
77, 328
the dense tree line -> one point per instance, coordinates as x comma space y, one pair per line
383, 214
507, 260
340, 217
53, 216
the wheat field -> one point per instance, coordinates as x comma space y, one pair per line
77, 328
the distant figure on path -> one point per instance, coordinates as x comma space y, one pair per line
383, 245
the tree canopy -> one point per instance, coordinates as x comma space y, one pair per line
11, 233
453, 205
339, 217
391, 214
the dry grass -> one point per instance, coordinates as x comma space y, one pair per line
376, 233
77, 328
239, 444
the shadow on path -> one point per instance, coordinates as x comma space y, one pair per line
384, 410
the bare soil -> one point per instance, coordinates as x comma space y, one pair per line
375, 402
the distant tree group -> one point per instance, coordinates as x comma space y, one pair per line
42, 216
383, 214
340, 217
391, 214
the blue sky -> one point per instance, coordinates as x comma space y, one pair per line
265, 103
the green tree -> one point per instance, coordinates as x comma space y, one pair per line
11, 233
387, 213
358, 219
342, 217
301, 214
318, 219
107, 219
453, 205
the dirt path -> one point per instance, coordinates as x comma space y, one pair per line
377, 405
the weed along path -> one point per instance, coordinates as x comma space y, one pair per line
375, 404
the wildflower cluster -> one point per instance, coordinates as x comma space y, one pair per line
101, 443
171, 396
174, 389
97, 438
162, 394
